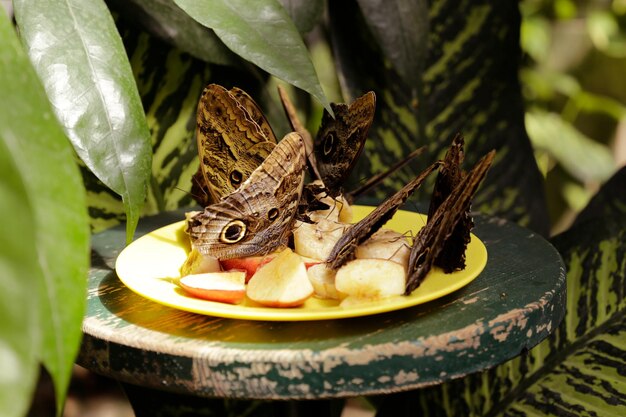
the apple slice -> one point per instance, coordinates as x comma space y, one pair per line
371, 278
225, 287
283, 282
196, 263
309, 262
248, 264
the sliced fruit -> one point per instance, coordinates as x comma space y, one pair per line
283, 282
385, 244
316, 240
339, 210
371, 278
249, 264
225, 287
323, 280
196, 263
309, 262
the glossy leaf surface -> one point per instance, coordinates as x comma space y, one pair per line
48, 249
81, 61
263, 33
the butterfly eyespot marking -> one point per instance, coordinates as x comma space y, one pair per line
272, 214
235, 178
233, 232
329, 144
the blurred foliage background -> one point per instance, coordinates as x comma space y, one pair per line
573, 79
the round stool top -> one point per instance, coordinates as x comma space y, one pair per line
516, 302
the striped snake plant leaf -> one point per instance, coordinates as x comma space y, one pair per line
44, 248
469, 85
401, 30
580, 370
167, 21
606, 203
78, 55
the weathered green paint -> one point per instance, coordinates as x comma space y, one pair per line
514, 304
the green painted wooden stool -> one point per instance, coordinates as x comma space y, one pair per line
169, 358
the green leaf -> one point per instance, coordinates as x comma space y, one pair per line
609, 202
19, 275
581, 156
464, 83
54, 277
584, 374
81, 61
262, 33
167, 21
304, 13
19, 279
401, 29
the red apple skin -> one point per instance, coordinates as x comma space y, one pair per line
249, 264
309, 262
210, 289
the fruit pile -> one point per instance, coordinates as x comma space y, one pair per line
287, 278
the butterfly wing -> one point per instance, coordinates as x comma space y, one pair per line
340, 141
344, 249
231, 144
257, 218
431, 239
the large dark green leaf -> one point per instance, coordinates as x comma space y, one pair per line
610, 202
19, 277
51, 249
19, 274
167, 21
261, 32
469, 85
81, 61
585, 372
304, 13
401, 29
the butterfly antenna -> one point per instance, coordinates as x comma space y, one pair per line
298, 127
378, 178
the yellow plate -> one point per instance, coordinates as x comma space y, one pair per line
150, 267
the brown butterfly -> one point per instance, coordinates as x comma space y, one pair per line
257, 217
340, 139
431, 239
233, 138
344, 249
452, 255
